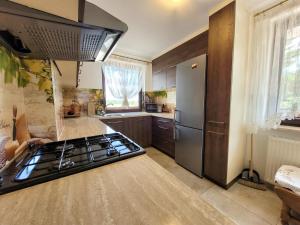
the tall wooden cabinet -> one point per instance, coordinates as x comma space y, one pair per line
226, 74
219, 70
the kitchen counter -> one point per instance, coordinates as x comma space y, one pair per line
135, 191
135, 114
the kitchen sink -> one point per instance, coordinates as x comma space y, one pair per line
114, 114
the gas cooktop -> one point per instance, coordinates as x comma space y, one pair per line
59, 159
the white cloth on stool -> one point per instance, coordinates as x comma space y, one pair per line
289, 177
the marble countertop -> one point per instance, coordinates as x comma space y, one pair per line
135, 114
136, 191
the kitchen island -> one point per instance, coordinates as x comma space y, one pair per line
135, 191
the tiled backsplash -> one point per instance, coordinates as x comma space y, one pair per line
83, 97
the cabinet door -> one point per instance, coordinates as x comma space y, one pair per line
219, 70
116, 124
220, 51
171, 77
159, 81
139, 130
147, 131
216, 155
162, 135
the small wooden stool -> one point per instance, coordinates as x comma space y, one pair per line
290, 213
287, 187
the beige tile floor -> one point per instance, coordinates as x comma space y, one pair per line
243, 205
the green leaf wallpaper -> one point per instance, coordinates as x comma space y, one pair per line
22, 71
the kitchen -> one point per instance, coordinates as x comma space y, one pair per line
107, 119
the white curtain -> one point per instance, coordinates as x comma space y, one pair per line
124, 79
274, 78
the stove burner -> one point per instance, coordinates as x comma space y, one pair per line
112, 152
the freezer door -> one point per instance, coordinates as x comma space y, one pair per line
188, 148
190, 92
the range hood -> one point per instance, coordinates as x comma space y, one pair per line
35, 34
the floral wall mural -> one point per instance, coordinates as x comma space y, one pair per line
28, 85
24, 71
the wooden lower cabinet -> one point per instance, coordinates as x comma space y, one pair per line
136, 128
147, 131
162, 135
140, 130
118, 125
216, 154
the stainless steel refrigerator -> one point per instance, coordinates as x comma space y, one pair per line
189, 114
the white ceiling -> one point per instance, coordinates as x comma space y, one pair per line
156, 26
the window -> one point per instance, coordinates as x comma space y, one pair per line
273, 83
290, 79
123, 85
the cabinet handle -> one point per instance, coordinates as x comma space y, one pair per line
215, 122
162, 121
176, 134
176, 111
116, 122
164, 128
218, 133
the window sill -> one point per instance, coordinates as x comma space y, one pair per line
288, 128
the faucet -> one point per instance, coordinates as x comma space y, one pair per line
105, 107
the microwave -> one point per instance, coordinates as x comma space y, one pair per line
152, 107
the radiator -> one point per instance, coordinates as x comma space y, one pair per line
281, 152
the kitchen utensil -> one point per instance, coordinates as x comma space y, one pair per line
15, 111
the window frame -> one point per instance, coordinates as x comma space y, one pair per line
109, 110
291, 123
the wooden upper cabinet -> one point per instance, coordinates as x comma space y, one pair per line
164, 67
159, 80
164, 79
171, 77
220, 57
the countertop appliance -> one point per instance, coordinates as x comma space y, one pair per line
58, 159
189, 113
32, 33
151, 107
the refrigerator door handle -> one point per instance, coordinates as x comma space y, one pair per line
176, 134
176, 112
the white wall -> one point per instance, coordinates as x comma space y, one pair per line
237, 132
69, 73
91, 75
58, 100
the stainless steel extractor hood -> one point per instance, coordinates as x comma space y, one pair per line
32, 33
